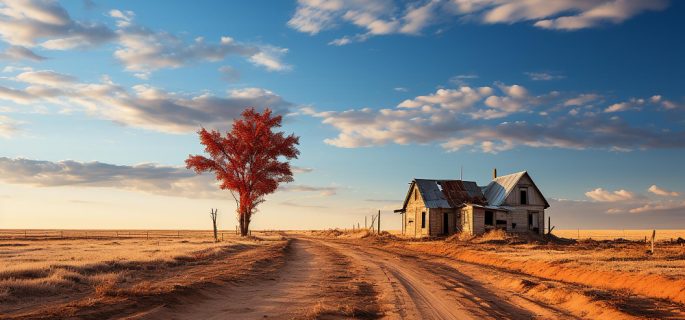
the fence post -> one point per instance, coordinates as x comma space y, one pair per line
379, 222
147, 235
653, 237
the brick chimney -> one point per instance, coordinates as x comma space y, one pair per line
494, 173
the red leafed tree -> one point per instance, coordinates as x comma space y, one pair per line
251, 160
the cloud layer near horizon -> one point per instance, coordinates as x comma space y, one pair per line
147, 177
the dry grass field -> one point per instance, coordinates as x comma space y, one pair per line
620, 234
70, 276
340, 274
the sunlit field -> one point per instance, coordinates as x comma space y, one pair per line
661, 235
68, 270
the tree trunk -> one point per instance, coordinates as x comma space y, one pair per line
216, 236
244, 224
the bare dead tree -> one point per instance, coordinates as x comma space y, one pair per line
214, 213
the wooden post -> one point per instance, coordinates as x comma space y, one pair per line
147, 234
365, 226
379, 222
222, 236
653, 237
549, 225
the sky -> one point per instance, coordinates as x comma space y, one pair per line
100, 102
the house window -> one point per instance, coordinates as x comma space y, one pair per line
415, 194
489, 218
423, 220
524, 195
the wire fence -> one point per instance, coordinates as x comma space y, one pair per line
634, 235
105, 234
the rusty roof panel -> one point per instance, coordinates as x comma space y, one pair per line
449, 193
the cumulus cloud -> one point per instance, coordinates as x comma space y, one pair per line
602, 195
464, 118
388, 17
141, 106
662, 192
47, 24
147, 177
143, 50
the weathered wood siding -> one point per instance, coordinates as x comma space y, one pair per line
415, 207
520, 213
437, 220
466, 219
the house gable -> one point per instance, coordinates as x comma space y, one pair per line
505, 190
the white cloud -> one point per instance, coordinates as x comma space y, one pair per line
142, 50
142, 106
543, 76
388, 17
582, 99
599, 12
659, 206
602, 195
147, 177
462, 118
46, 23
662, 192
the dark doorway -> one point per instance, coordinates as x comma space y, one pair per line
445, 223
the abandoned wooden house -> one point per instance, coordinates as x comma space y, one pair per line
442, 207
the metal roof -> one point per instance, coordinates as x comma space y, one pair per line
499, 188
448, 193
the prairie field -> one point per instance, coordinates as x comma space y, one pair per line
628, 234
339, 275
58, 275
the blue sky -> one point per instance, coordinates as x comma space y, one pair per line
585, 95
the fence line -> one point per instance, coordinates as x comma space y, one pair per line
94, 234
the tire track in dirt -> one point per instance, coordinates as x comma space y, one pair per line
314, 282
414, 289
543, 298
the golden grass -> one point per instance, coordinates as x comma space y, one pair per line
616, 266
661, 235
35, 268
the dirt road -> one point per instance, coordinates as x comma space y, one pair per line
332, 279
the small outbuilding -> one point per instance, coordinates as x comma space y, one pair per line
442, 207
